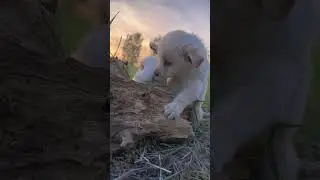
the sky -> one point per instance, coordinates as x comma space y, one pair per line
156, 17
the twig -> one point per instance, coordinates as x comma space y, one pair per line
141, 156
169, 177
114, 17
186, 155
115, 53
148, 162
160, 172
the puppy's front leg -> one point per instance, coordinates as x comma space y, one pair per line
184, 98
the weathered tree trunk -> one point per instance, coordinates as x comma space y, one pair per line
54, 112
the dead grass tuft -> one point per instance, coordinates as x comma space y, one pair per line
153, 160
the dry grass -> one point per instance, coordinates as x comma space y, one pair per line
153, 160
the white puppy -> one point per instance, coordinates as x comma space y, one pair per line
183, 59
148, 66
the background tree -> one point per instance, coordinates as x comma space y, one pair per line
155, 40
132, 46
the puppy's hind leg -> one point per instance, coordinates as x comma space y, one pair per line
196, 114
197, 105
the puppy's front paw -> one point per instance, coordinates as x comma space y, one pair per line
172, 111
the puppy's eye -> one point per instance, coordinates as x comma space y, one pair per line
188, 59
167, 63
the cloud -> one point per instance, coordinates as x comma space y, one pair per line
154, 17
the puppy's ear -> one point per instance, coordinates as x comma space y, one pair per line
192, 56
154, 46
277, 9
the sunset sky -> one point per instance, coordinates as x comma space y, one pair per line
156, 17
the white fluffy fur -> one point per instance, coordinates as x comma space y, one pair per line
189, 83
145, 75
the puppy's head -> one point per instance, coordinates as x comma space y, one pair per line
178, 62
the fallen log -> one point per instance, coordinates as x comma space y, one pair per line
137, 111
